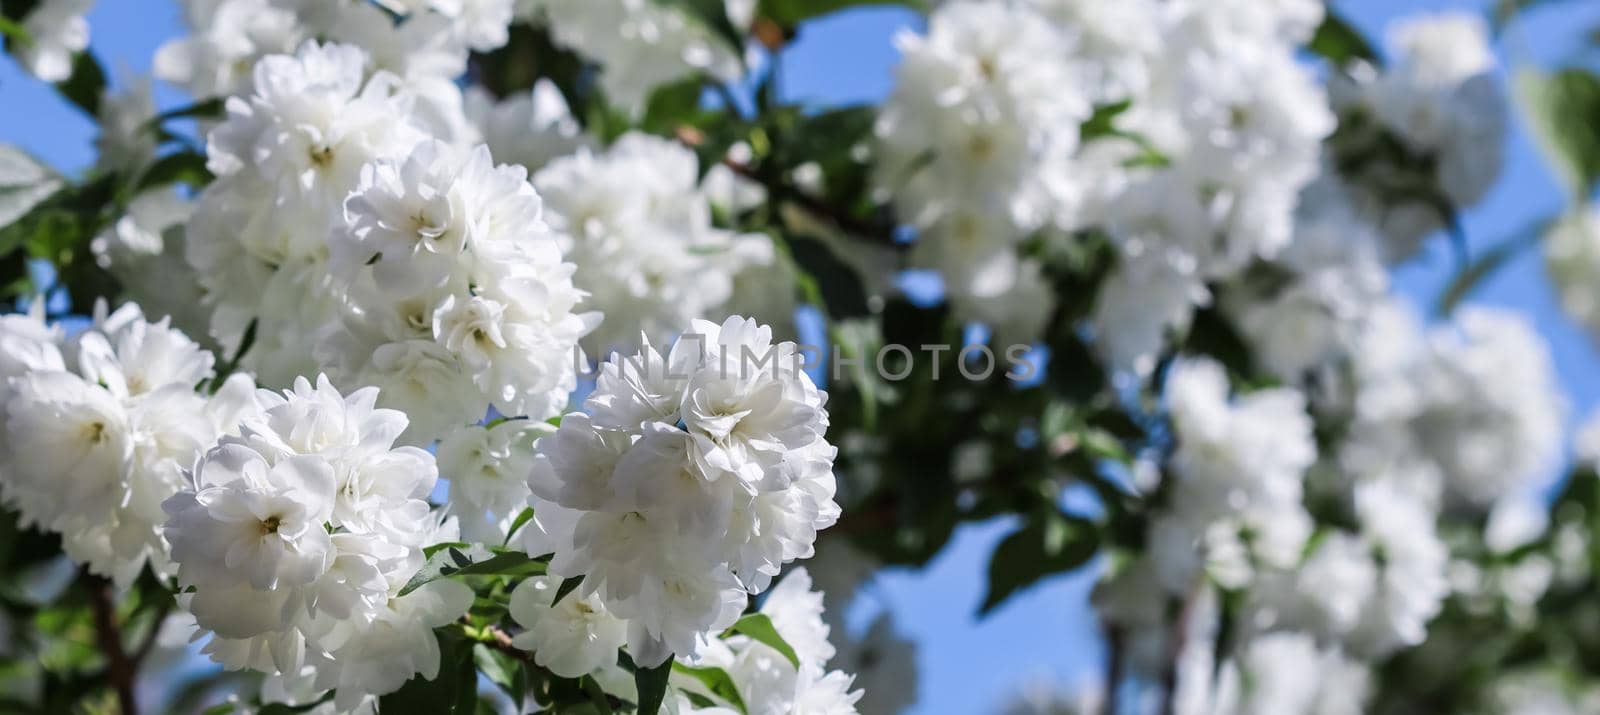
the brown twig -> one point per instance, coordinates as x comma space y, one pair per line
119, 669
1114, 647
149, 642
499, 640
785, 192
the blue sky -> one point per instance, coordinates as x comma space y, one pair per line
1046, 632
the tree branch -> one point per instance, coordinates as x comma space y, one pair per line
497, 639
149, 642
119, 669
1114, 647
783, 191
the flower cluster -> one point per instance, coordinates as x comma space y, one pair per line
1294, 478
691, 480
579, 636
1012, 120
642, 44
1572, 256
423, 42
285, 158
296, 536
1469, 410
99, 428
638, 225
1233, 503
488, 468
1237, 125
1303, 311
456, 294
1441, 102
56, 32
984, 113
361, 247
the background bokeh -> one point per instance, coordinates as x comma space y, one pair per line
1046, 634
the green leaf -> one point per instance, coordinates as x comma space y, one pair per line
429, 551
717, 681
282, 709
502, 670
652, 686
454, 692
13, 31
837, 283
1051, 542
523, 517
792, 12
1488, 263
24, 184
714, 15
86, 83
1103, 122
1507, 10
450, 561
568, 585
597, 696
1340, 42
227, 368
205, 109
672, 105
1563, 109
187, 167
760, 629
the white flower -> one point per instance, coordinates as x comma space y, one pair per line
1336, 277
1332, 587
99, 430
638, 227
766, 680
982, 105
56, 33
638, 43
285, 157
251, 523
488, 468
1254, 447
695, 479
1572, 256
1493, 415
819, 692
1287, 674
571, 638
297, 536
78, 438
1586, 443
1119, 39
1411, 581
144, 251
379, 657
226, 38
126, 142
480, 24
448, 247
530, 129
1441, 99
27, 344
